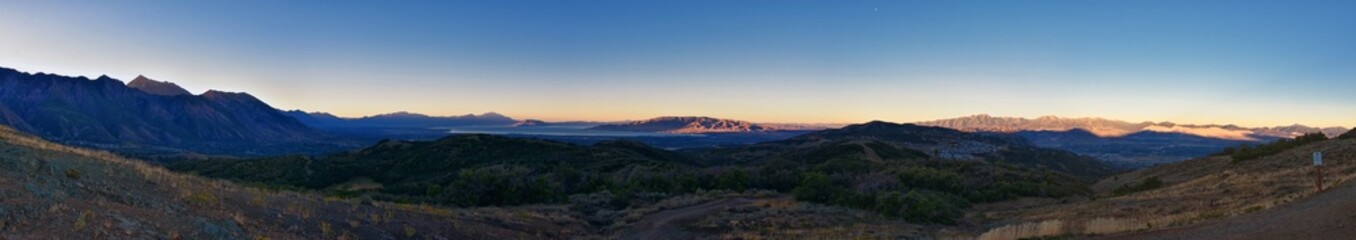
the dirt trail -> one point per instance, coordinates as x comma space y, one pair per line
667, 224
1330, 215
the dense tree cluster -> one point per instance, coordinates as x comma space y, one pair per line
923, 190
483, 170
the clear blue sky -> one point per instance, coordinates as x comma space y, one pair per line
1245, 62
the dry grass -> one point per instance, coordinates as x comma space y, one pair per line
784, 218
1195, 191
120, 198
1046, 228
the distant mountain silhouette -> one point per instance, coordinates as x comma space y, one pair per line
153, 115
1298, 130
398, 120
1137, 150
1115, 128
986, 123
314, 119
1128, 144
685, 125
530, 123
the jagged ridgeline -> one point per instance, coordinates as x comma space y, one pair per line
933, 173
51, 191
148, 116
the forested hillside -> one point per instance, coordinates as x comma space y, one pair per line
877, 166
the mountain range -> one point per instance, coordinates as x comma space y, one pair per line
531, 123
685, 125
1115, 128
398, 120
697, 125
1125, 144
926, 174
148, 115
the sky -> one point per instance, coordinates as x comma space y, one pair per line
1252, 63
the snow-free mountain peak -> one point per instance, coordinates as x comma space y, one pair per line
686, 125
157, 87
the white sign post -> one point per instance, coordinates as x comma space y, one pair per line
1318, 170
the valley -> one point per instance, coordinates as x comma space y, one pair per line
677, 120
491, 177
52, 191
1129, 145
637, 192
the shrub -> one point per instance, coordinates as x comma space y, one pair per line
933, 207
374, 218
325, 229
890, 204
73, 173
816, 187
931, 178
500, 186
736, 179
258, 200
83, 221
1143, 185
202, 198
1213, 214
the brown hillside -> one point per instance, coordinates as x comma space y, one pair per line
49, 191
1193, 191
